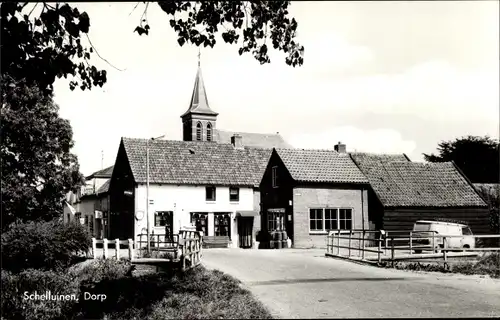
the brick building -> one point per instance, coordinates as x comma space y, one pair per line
313, 191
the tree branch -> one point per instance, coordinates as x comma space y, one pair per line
133, 9
88, 38
36, 4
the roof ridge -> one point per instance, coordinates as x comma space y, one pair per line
311, 149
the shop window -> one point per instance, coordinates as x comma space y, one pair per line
222, 225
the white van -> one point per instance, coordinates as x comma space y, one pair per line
423, 230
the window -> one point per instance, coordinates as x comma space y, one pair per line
234, 194
78, 215
198, 131
316, 219
210, 193
209, 132
345, 219
222, 224
275, 221
331, 219
275, 177
324, 220
466, 231
165, 219
200, 220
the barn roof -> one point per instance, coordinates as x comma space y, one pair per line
187, 162
251, 139
104, 173
104, 188
328, 166
399, 182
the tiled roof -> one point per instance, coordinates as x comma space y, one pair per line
402, 183
327, 166
104, 173
104, 188
257, 140
186, 162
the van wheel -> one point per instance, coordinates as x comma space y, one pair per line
466, 246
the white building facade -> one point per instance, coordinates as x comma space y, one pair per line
178, 206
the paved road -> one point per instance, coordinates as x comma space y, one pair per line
297, 283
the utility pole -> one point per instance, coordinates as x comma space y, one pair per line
147, 194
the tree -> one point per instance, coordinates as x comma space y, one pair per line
37, 165
38, 168
37, 50
478, 157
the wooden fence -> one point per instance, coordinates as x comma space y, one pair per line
184, 249
377, 246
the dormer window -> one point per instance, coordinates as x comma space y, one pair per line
209, 132
198, 131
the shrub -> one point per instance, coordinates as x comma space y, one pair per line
102, 269
43, 245
14, 287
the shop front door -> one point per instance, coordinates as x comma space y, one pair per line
245, 227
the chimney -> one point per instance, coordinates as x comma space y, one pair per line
237, 141
340, 148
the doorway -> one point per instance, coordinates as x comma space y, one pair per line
245, 227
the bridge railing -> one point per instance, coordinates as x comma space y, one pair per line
371, 245
184, 248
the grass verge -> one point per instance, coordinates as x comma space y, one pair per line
196, 294
488, 264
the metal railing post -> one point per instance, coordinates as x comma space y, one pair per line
411, 243
359, 245
392, 251
445, 246
350, 236
338, 242
433, 249
363, 246
380, 248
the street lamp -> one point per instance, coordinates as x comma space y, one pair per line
147, 193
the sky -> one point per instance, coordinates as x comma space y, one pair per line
384, 77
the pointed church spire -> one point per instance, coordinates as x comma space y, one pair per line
199, 100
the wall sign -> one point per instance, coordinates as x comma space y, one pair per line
276, 210
98, 214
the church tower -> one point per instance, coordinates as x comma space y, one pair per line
198, 122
